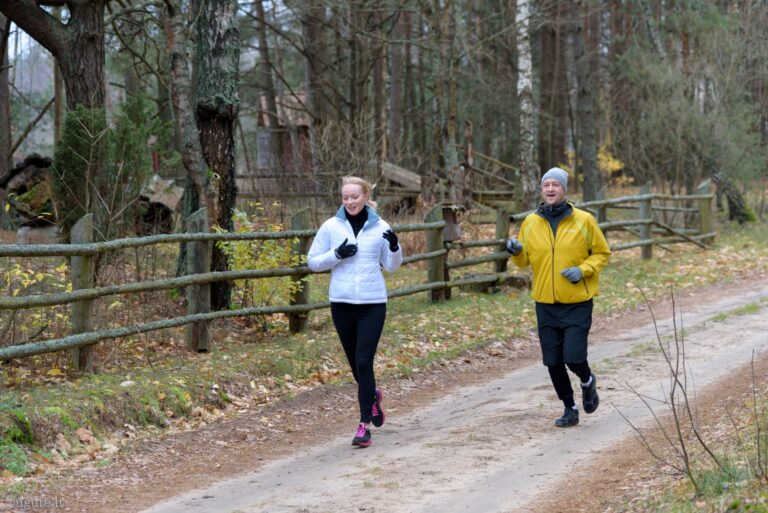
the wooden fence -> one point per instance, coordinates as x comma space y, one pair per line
443, 234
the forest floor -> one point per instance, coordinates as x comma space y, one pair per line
475, 435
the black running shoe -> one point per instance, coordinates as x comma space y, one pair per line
362, 437
589, 397
569, 419
377, 414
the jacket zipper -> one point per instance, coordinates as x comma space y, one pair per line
552, 237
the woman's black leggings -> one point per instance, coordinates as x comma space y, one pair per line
359, 328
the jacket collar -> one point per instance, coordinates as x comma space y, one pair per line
559, 211
341, 214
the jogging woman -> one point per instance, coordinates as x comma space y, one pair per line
355, 245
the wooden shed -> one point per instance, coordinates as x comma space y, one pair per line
269, 175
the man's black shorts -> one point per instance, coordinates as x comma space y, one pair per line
563, 331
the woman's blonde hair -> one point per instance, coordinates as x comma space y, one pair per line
367, 188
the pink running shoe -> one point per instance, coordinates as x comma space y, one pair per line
377, 414
362, 437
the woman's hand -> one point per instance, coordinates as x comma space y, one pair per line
345, 250
392, 239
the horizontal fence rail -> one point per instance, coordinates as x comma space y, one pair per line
440, 227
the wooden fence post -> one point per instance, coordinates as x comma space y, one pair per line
198, 296
646, 230
706, 219
502, 232
436, 268
82, 278
298, 322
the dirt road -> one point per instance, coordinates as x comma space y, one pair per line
492, 447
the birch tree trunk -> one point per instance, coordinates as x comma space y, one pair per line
198, 193
527, 161
217, 108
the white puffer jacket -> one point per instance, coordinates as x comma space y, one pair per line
357, 279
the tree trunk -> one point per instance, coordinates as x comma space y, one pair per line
409, 85
312, 18
397, 57
217, 107
586, 152
197, 193
5, 103
527, 161
5, 120
509, 127
554, 90
270, 93
421, 116
78, 47
379, 123
458, 189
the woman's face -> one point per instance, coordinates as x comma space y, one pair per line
353, 198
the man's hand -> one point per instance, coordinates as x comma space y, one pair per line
345, 250
572, 274
514, 247
392, 239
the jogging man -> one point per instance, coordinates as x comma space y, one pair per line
566, 250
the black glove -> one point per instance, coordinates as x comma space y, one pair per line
345, 250
392, 239
514, 247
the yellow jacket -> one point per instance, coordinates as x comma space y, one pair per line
579, 242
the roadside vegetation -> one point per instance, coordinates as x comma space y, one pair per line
147, 387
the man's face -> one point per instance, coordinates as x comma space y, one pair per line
552, 192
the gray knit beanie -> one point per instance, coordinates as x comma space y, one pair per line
556, 174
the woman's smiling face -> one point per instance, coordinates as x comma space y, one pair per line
353, 198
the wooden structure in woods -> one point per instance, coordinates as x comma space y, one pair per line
269, 175
27, 191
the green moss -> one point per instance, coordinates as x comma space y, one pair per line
63, 415
20, 429
13, 458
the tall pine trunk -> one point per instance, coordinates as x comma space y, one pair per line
5, 102
269, 91
397, 57
586, 151
553, 112
5, 118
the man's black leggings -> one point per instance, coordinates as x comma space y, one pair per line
563, 333
359, 328
562, 381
